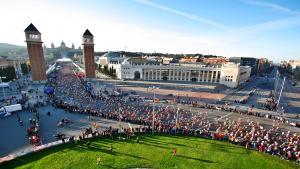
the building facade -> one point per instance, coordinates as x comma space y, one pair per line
36, 53
62, 51
294, 63
246, 61
230, 74
214, 60
262, 65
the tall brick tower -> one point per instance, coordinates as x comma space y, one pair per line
88, 53
35, 52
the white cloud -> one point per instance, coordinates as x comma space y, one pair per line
183, 14
271, 6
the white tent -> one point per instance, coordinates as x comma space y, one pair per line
4, 85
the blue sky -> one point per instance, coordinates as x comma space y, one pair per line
250, 28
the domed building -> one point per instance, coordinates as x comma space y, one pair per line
63, 50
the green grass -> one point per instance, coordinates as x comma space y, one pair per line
152, 152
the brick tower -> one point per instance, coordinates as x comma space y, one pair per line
88, 53
35, 52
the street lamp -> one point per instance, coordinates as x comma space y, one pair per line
2, 77
153, 108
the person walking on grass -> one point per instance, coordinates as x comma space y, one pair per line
174, 151
98, 160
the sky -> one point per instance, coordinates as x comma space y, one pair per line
242, 28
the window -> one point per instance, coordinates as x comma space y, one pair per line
33, 36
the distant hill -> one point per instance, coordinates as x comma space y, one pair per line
12, 50
5, 46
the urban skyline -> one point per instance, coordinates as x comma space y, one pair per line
253, 29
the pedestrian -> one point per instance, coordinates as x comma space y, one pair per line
111, 149
88, 144
30, 120
98, 160
21, 123
19, 119
174, 151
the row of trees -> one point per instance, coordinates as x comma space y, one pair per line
108, 71
289, 71
296, 74
10, 72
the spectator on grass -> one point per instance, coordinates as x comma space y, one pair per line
174, 151
98, 160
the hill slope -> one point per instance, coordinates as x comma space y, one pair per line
12, 50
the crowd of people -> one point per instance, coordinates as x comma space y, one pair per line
33, 132
235, 109
71, 95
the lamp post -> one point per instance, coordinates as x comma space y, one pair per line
2, 77
153, 108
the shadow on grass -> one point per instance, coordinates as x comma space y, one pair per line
153, 145
224, 144
197, 159
218, 145
129, 155
35, 156
156, 141
106, 151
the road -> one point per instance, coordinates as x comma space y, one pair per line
290, 98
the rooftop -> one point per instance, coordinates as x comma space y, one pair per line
31, 28
87, 33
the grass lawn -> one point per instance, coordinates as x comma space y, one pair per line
153, 152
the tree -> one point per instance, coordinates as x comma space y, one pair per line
111, 71
24, 68
105, 69
9, 73
298, 76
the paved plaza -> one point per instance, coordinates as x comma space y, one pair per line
14, 137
